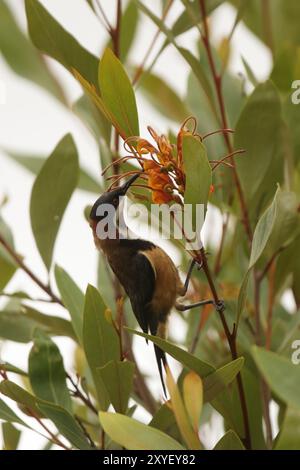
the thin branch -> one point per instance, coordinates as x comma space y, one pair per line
45, 287
85, 399
231, 339
217, 78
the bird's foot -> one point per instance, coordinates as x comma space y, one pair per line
220, 306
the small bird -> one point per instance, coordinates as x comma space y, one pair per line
146, 272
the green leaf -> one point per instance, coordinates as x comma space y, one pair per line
214, 380
188, 360
281, 375
26, 401
20, 325
34, 164
118, 379
6, 414
86, 109
162, 97
250, 74
258, 132
283, 18
52, 39
11, 436
188, 433
193, 398
288, 437
164, 420
129, 25
261, 236
8, 367
20, 54
198, 177
100, 340
62, 419
192, 16
117, 93
46, 372
230, 441
105, 282
72, 297
66, 425
7, 264
50, 195
217, 381
133, 435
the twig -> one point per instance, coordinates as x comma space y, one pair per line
54, 438
85, 399
46, 288
231, 339
85, 432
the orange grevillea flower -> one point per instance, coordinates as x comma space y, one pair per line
162, 162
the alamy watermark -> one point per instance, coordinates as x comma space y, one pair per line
296, 354
295, 97
176, 221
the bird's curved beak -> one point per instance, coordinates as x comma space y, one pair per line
124, 187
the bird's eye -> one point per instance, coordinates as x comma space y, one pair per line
115, 201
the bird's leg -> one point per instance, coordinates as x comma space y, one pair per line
219, 307
188, 276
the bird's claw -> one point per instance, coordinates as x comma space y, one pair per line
199, 265
220, 306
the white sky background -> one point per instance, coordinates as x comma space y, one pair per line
32, 121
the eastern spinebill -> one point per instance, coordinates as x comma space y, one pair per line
147, 274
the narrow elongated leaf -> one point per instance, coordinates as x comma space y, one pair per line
105, 282
217, 381
72, 298
118, 379
100, 340
19, 326
6, 414
230, 441
198, 175
66, 425
62, 419
26, 401
7, 265
129, 25
163, 97
258, 131
288, 438
50, 195
281, 375
261, 236
117, 93
86, 109
34, 164
133, 435
11, 436
46, 372
202, 368
21, 55
52, 39
193, 398
189, 435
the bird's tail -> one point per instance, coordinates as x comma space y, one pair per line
161, 362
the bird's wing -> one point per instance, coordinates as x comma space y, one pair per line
141, 292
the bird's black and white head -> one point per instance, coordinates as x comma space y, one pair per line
111, 199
